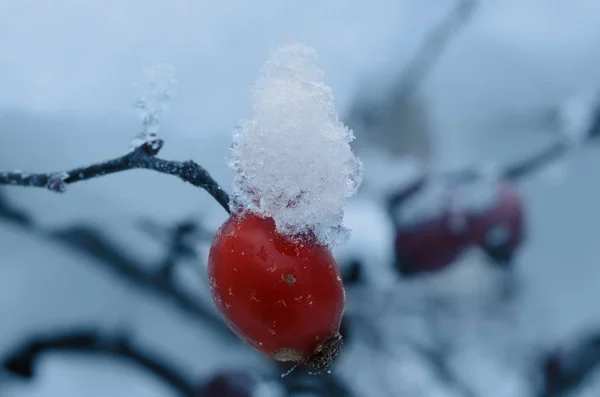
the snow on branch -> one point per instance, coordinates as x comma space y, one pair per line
153, 102
22, 360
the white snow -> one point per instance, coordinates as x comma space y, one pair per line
371, 243
65, 85
160, 82
292, 157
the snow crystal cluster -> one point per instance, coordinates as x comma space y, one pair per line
292, 157
160, 84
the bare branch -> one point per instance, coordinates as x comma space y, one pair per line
432, 48
565, 371
93, 242
516, 171
181, 239
141, 157
13, 214
22, 361
88, 240
438, 360
302, 382
536, 162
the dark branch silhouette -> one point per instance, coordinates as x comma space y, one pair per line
91, 241
536, 162
22, 360
517, 171
396, 110
181, 239
438, 359
141, 157
432, 48
13, 214
566, 370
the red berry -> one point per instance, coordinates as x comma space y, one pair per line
283, 296
429, 246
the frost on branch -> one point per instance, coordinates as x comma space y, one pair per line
292, 157
160, 89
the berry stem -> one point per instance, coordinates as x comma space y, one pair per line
141, 157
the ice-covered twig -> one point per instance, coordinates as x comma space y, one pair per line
160, 80
23, 359
142, 157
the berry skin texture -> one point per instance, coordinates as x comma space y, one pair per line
282, 296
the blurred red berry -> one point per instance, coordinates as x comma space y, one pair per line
428, 246
434, 243
283, 296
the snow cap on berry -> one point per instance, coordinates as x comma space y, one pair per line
292, 157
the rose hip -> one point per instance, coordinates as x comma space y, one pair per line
282, 295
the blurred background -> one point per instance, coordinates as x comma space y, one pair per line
473, 267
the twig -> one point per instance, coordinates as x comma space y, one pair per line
181, 240
565, 371
93, 242
141, 157
22, 361
439, 363
514, 172
432, 48
13, 214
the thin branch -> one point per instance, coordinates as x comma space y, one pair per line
13, 214
22, 361
536, 162
432, 48
141, 157
301, 381
516, 171
91, 241
181, 239
88, 240
439, 363
565, 371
